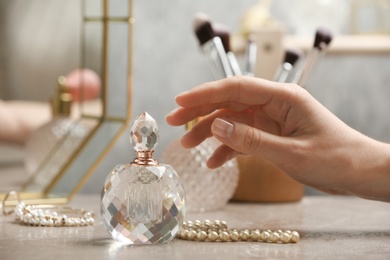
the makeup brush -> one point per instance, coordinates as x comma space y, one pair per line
323, 37
250, 56
212, 47
223, 32
291, 56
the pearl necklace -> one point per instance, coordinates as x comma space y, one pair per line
218, 231
42, 216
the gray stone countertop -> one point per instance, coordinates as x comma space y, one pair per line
330, 228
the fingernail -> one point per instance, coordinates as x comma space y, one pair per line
222, 128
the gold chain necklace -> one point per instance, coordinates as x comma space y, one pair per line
218, 231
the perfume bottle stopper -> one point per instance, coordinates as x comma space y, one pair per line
144, 135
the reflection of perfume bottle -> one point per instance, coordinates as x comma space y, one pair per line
143, 202
62, 132
206, 189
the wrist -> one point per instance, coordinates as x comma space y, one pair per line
370, 174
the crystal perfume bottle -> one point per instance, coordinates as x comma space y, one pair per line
61, 132
206, 189
143, 202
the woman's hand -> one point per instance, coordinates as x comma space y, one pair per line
285, 125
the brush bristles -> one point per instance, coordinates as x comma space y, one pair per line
202, 27
328, 38
200, 18
292, 56
323, 38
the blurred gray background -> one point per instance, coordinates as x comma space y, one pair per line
167, 61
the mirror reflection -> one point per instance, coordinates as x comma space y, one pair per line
47, 88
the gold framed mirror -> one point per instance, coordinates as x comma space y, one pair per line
106, 25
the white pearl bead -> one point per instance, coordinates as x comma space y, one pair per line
213, 236
57, 222
274, 237
63, 218
192, 234
197, 224
184, 233
265, 235
27, 216
234, 236
294, 237
244, 234
50, 223
69, 222
255, 235
202, 235
224, 236
223, 224
285, 237
77, 221
83, 222
91, 221
21, 205
217, 224
18, 212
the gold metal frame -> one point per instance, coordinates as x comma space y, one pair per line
48, 196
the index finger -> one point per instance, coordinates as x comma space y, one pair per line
241, 89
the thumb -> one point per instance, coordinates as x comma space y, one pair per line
249, 140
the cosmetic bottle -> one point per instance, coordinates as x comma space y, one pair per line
61, 132
261, 181
206, 189
143, 202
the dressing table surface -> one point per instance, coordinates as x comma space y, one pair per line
330, 227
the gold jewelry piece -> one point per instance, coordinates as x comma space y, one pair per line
11, 194
52, 216
218, 231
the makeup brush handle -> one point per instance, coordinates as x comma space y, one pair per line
283, 72
250, 63
233, 63
309, 67
217, 58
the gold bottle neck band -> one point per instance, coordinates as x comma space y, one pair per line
144, 158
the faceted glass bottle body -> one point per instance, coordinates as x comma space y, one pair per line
143, 204
205, 189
